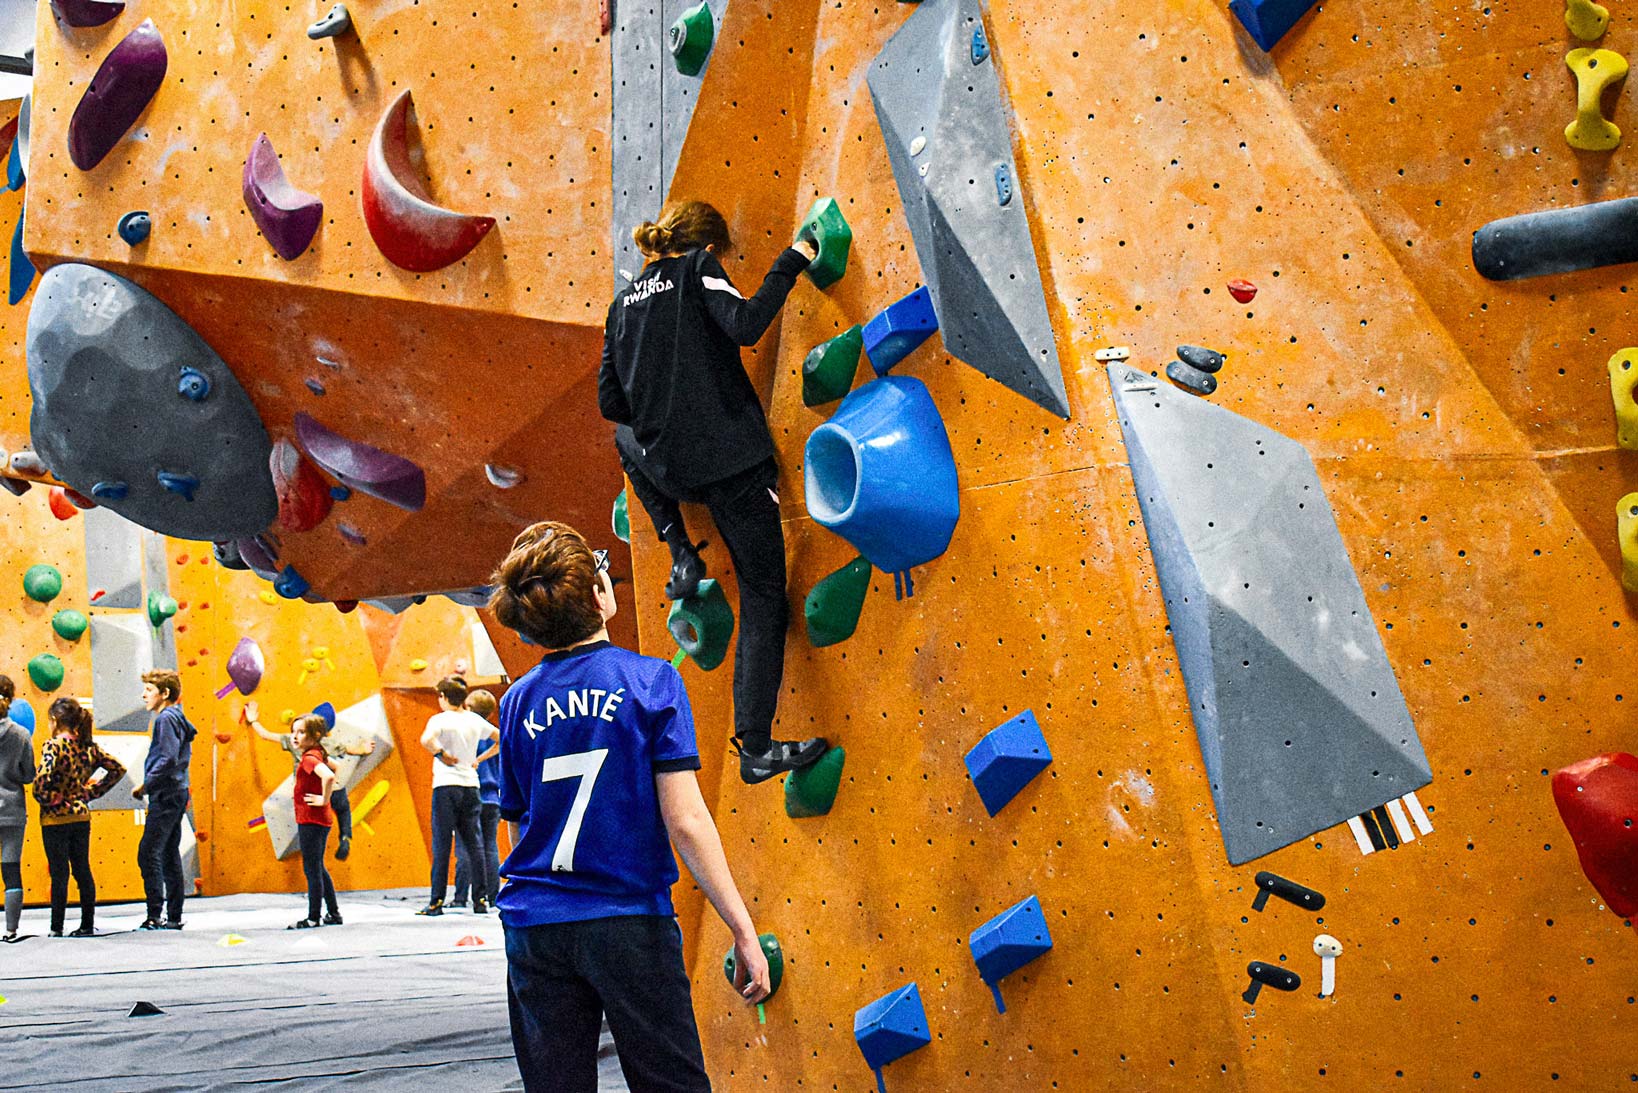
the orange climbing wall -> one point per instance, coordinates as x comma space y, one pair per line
1474, 482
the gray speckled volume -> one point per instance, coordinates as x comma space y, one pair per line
652, 105
106, 364
113, 559
1301, 721
976, 251
122, 648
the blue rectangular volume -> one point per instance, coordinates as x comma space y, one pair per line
891, 1027
1005, 761
896, 331
1267, 21
1009, 941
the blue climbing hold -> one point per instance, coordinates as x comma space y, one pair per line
181, 484
881, 475
134, 227
290, 584
1005, 761
1009, 941
193, 384
14, 165
22, 713
1267, 21
890, 1028
340, 493
326, 710
894, 333
1003, 184
110, 491
22, 270
981, 45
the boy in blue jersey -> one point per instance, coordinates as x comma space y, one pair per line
597, 781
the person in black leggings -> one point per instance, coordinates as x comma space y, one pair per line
691, 429
65, 787
16, 772
314, 818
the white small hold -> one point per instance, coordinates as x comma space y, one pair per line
1113, 353
917, 145
923, 170
501, 476
1327, 948
626, 274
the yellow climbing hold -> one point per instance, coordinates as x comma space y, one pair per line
418, 665
1595, 70
367, 805
1586, 19
308, 667
1623, 377
268, 597
1626, 525
287, 716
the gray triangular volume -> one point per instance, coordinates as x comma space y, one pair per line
948, 134
1301, 721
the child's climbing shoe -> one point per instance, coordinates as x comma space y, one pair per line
332, 919
436, 907
84, 931
303, 924
344, 847
781, 756
687, 571
479, 907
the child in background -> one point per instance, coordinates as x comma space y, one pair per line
16, 771
314, 818
65, 789
335, 757
454, 736
483, 704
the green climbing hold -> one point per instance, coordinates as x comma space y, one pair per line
832, 608
828, 370
776, 963
69, 624
691, 38
811, 791
42, 583
622, 519
46, 671
160, 608
702, 625
828, 230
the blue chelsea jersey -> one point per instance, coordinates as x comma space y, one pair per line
582, 736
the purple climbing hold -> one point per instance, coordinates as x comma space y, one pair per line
86, 13
314, 385
122, 88
392, 478
256, 554
244, 668
288, 217
351, 535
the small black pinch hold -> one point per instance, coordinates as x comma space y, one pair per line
1272, 884
1268, 975
1207, 360
1191, 379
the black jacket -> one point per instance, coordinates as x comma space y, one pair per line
671, 369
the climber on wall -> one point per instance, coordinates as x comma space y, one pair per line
597, 782
165, 784
336, 755
691, 429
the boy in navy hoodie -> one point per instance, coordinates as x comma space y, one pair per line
165, 783
597, 780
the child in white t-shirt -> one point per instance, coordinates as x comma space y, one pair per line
454, 736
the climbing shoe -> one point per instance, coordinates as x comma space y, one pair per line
173, 924
84, 931
687, 571
344, 847
151, 924
781, 756
332, 919
479, 907
433, 909
303, 924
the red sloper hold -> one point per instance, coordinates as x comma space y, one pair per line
411, 231
1242, 291
1598, 800
304, 499
61, 507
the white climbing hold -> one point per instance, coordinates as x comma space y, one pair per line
1327, 948
917, 145
1113, 353
502, 476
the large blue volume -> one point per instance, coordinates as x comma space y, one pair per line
1009, 941
898, 329
881, 475
1267, 21
890, 1028
1006, 759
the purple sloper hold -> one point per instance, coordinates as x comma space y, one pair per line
86, 13
244, 668
117, 95
288, 217
391, 478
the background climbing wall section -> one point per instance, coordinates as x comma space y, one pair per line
1162, 154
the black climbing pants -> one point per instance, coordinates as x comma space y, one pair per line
311, 839
488, 835
564, 977
455, 813
159, 854
68, 850
343, 809
745, 508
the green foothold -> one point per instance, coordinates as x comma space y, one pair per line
69, 624
776, 963
827, 373
46, 671
160, 608
622, 519
811, 791
832, 608
828, 229
691, 37
702, 625
42, 583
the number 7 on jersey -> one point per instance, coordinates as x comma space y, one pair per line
584, 766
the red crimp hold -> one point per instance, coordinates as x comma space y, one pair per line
1597, 799
409, 230
304, 497
1243, 291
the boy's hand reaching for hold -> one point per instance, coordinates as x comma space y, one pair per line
751, 970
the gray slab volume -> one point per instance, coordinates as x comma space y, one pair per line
132, 750
977, 254
358, 723
1301, 722
113, 559
652, 106
122, 648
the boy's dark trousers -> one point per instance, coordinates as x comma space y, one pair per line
159, 853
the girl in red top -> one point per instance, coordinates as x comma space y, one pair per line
314, 780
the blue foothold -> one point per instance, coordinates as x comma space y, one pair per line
193, 384
134, 226
340, 493
290, 584
896, 331
14, 165
183, 484
314, 386
1003, 184
1007, 759
1009, 941
981, 46
890, 1028
110, 491
22, 270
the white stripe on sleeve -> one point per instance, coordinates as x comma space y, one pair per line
720, 285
